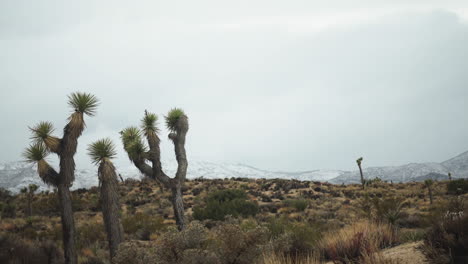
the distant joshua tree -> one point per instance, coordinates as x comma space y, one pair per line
101, 152
29, 192
359, 161
65, 148
428, 183
177, 123
450, 176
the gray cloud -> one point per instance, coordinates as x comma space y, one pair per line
262, 85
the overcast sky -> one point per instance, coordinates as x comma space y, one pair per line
279, 85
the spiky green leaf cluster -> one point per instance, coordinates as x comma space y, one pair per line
149, 122
133, 143
83, 102
130, 135
41, 131
172, 118
35, 152
101, 149
428, 182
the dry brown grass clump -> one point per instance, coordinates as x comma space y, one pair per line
275, 258
357, 240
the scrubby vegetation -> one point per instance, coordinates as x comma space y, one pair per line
300, 222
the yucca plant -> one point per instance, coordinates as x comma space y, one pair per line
359, 161
428, 183
65, 148
140, 153
101, 153
29, 193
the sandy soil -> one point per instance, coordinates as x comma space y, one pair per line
406, 253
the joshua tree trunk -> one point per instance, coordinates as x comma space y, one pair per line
178, 205
177, 123
430, 194
363, 183
68, 224
111, 207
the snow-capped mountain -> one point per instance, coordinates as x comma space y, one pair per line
458, 166
16, 175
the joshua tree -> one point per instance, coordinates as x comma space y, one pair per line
359, 161
177, 123
450, 176
428, 183
29, 192
65, 148
101, 152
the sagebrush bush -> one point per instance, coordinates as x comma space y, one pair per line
292, 238
224, 244
299, 204
221, 203
447, 240
15, 250
142, 224
89, 233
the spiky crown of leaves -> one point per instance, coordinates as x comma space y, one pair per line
84, 103
101, 149
41, 131
132, 141
172, 117
35, 152
149, 122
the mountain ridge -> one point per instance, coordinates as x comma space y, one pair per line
18, 174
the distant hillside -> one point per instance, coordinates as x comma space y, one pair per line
15, 175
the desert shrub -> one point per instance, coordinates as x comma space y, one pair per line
136, 252
299, 204
292, 238
187, 246
387, 209
15, 250
357, 240
143, 224
447, 239
233, 244
411, 235
9, 209
89, 233
47, 205
221, 203
226, 243
459, 186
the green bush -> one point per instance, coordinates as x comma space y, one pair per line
292, 238
447, 240
89, 233
142, 223
300, 204
459, 186
221, 203
227, 243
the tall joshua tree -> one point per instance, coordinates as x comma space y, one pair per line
140, 154
65, 148
359, 161
29, 192
428, 183
101, 152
